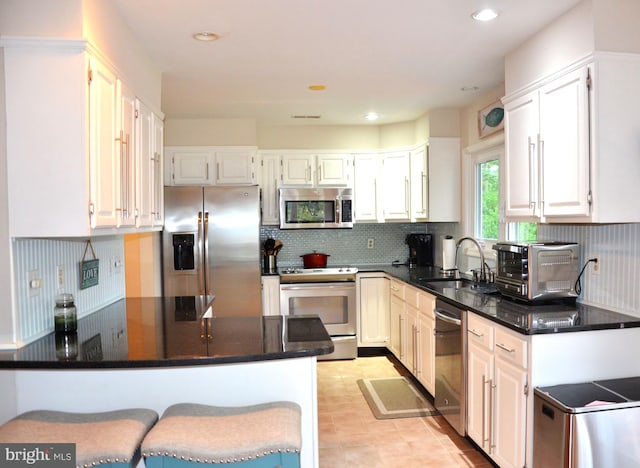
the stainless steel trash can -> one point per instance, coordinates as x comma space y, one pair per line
587, 425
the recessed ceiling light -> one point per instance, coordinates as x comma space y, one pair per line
469, 88
317, 87
485, 15
372, 116
206, 36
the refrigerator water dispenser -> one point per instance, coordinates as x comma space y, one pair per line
183, 252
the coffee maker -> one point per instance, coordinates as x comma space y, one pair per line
420, 249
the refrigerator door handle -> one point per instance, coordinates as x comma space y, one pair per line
205, 252
201, 273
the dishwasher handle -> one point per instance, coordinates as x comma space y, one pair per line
447, 318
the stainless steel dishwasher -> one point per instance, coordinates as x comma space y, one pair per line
451, 353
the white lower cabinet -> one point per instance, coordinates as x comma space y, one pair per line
271, 295
411, 324
426, 345
373, 310
497, 391
396, 316
408, 335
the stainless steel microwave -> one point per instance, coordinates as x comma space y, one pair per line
536, 271
308, 208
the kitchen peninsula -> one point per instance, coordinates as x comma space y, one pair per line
153, 352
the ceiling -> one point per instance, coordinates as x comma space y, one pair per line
399, 58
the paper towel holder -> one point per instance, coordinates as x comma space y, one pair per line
449, 243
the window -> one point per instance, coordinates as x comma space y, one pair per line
487, 199
482, 194
523, 232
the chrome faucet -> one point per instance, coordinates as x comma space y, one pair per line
484, 276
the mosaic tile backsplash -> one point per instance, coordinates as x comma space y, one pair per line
348, 246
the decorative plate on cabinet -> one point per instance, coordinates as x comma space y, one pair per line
490, 119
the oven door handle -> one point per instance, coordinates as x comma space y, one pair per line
447, 318
302, 286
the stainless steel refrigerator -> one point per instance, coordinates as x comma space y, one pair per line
211, 246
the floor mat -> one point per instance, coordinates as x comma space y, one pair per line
394, 397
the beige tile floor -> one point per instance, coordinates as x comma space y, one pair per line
351, 437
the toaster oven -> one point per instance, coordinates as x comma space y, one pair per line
537, 271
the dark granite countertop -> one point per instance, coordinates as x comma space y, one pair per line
554, 317
171, 331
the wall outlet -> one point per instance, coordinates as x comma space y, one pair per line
596, 266
34, 283
369, 243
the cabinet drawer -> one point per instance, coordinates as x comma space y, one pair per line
397, 289
411, 296
511, 348
479, 331
427, 304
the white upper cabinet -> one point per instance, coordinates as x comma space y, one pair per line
148, 163
564, 146
444, 188
188, 166
235, 167
365, 187
334, 169
547, 157
298, 170
81, 172
126, 157
395, 183
521, 160
210, 165
571, 144
268, 180
157, 203
107, 145
316, 170
419, 184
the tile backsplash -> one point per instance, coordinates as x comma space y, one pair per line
350, 246
616, 245
35, 313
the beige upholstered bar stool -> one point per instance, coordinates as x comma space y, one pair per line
105, 440
195, 436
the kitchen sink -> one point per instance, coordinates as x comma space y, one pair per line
449, 283
438, 284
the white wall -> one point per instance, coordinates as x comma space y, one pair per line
564, 41
593, 25
246, 132
210, 132
104, 28
319, 137
469, 116
616, 25
38, 18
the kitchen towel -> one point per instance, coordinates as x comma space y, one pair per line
448, 253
